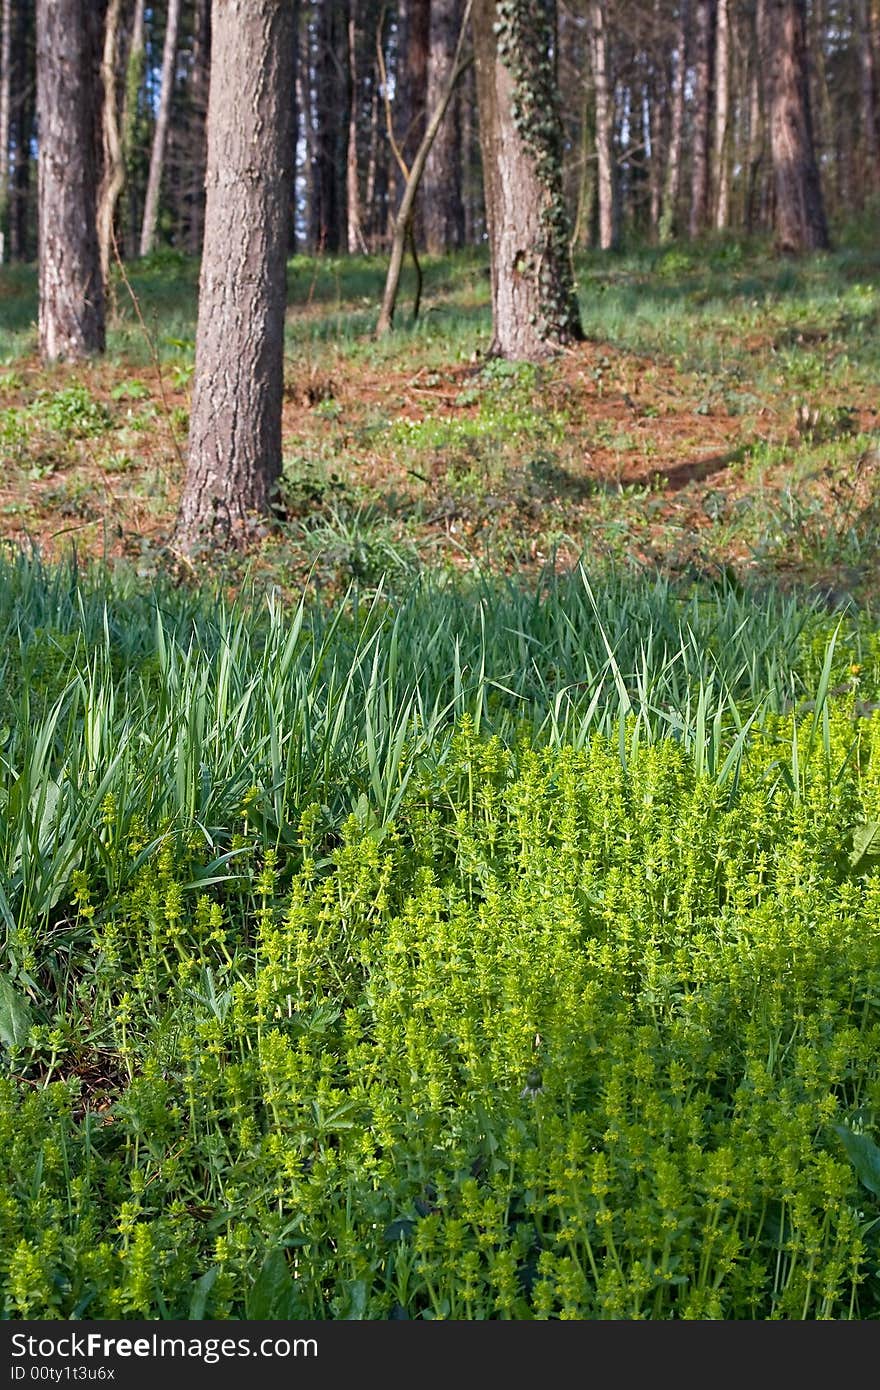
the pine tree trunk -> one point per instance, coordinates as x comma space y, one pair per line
703, 93
443, 209
799, 213
235, 421
870, 137
5, 108
201, 67
160, 134
534, 304
672, 183
71, 288
356, 243
22, 123
331, 128
608, 218
113, 179
722, 117
412, 80
134, 76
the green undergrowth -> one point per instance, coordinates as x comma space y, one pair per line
461, 952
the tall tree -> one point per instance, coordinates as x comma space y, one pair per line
5, 108
113, 177
799, 210
722, 116
71, 288
235, 421
702, 124
868, 93
134, 74
672, 182
328, 182
608, 192
443, 209
534, 304
160, 134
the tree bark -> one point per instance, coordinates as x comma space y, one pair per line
443, 209
722, 117
71, 289
799, 213
235, 422
703, 93
672, 182
608, 218
160, 134
356, 243
113, 178
5, 108
534, 304
331, 128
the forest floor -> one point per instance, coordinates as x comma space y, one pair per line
721, 418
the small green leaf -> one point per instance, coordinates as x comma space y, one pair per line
401, 1229
200, 1292
864, 1155
272, 1293
866, 841
15, 1015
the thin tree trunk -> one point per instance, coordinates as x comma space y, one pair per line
22, 122
870, 138
403, 224
5, 108
672, 184
443, 209
331, 127
604, 128
356, 241
201, 67
71, 288
757, 134
235, 422
113, 179
160, 134
799, 212
722, 117
703, 92
534, 304
134, 76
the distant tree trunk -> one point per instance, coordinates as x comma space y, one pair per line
722, 117
293, 212
160, 134
799, 212
757, 134
700, 180
356, 241
672, 183
22, 123
608, 218
403, 223
134, 76
5, 108
331, 127
870, 137
443, 209
201, 66
113, 178
534, 304
413, 84
235, 421
71, 288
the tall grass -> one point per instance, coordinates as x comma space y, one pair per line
174, 710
